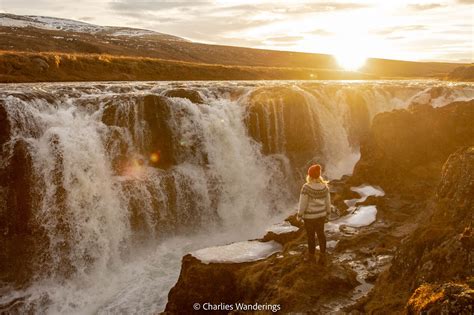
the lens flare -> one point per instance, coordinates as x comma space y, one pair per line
155, 157
134, 168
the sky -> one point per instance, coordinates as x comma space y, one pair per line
406, 30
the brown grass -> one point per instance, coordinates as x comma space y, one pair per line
48, 67
424, 296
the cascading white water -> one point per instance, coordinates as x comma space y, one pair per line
115, 239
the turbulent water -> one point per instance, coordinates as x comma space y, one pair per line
121, 180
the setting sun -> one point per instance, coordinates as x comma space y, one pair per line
350, 60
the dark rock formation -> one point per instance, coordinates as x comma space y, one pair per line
155, 112
359, 118
282, 121
191, 95
285, 280
286, 237
406, 149
433, 253
4, 124
16, 226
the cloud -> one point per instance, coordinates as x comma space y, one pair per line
86, 18
127, 5
465, 1
319, 32
208, 6
398, 29
285, 39
295, 8
424, 7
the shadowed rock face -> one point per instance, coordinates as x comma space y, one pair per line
434, 252
407, 148
191, 95
282, 121
286, 281
4, 124
155, 111
17, 227
359, 121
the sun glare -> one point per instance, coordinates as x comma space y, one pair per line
350, 60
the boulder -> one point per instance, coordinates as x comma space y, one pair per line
282, 279
191, 95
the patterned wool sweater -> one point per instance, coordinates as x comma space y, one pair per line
315, 201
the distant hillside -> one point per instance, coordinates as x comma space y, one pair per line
67, 25
35, 34
52, 67
462, 74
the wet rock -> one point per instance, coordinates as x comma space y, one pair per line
157, 113
371, 277
282, 121
4, 124
191, 95
19, 182
359, 118
16, 226
284, 233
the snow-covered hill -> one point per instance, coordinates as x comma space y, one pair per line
52, 23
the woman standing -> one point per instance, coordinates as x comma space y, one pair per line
314, 206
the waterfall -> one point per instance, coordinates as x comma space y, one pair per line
104, 184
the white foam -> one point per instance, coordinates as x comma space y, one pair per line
240, 252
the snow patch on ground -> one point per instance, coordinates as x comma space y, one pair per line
282, 228
329, 244
362, 216
52, 23
239, 252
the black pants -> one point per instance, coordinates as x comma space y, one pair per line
312, 226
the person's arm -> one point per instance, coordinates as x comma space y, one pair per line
328, 203
303, 204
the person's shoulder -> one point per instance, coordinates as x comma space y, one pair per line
305, 187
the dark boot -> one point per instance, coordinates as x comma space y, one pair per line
310, 258
322, 259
